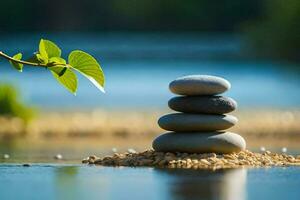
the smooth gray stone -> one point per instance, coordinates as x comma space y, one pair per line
199, 85
217, 142
203, 104
179, 122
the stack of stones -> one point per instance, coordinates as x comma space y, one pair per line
198, 126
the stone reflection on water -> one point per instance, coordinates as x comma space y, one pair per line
229, 184
177, 184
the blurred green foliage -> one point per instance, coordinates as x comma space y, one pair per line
142, 15
277, 34
11, 104
271, 26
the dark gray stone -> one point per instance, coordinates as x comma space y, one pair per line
179, 122
203, 104
199, 85
217, 142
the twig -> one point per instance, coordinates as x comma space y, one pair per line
22, 61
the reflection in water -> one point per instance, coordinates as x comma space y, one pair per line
189, 184
66, 182
47, 182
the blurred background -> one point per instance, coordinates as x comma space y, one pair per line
142, 45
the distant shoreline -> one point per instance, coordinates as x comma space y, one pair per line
260, 128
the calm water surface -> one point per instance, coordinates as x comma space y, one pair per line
50, 181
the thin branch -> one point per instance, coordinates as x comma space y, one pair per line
22, 61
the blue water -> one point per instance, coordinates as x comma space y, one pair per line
50, 181
138, 68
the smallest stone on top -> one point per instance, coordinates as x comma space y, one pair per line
195, 85
200, 125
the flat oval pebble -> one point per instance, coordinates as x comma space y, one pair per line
217, 142
203, 104
199, 85
196, 122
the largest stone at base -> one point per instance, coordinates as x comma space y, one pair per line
218, 142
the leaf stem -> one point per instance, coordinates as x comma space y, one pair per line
21, 61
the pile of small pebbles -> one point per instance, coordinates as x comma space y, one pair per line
196, 161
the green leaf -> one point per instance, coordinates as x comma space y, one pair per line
41, 59
48, 49
59, 70
68, 79
88, 66
17, 66
56, 61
